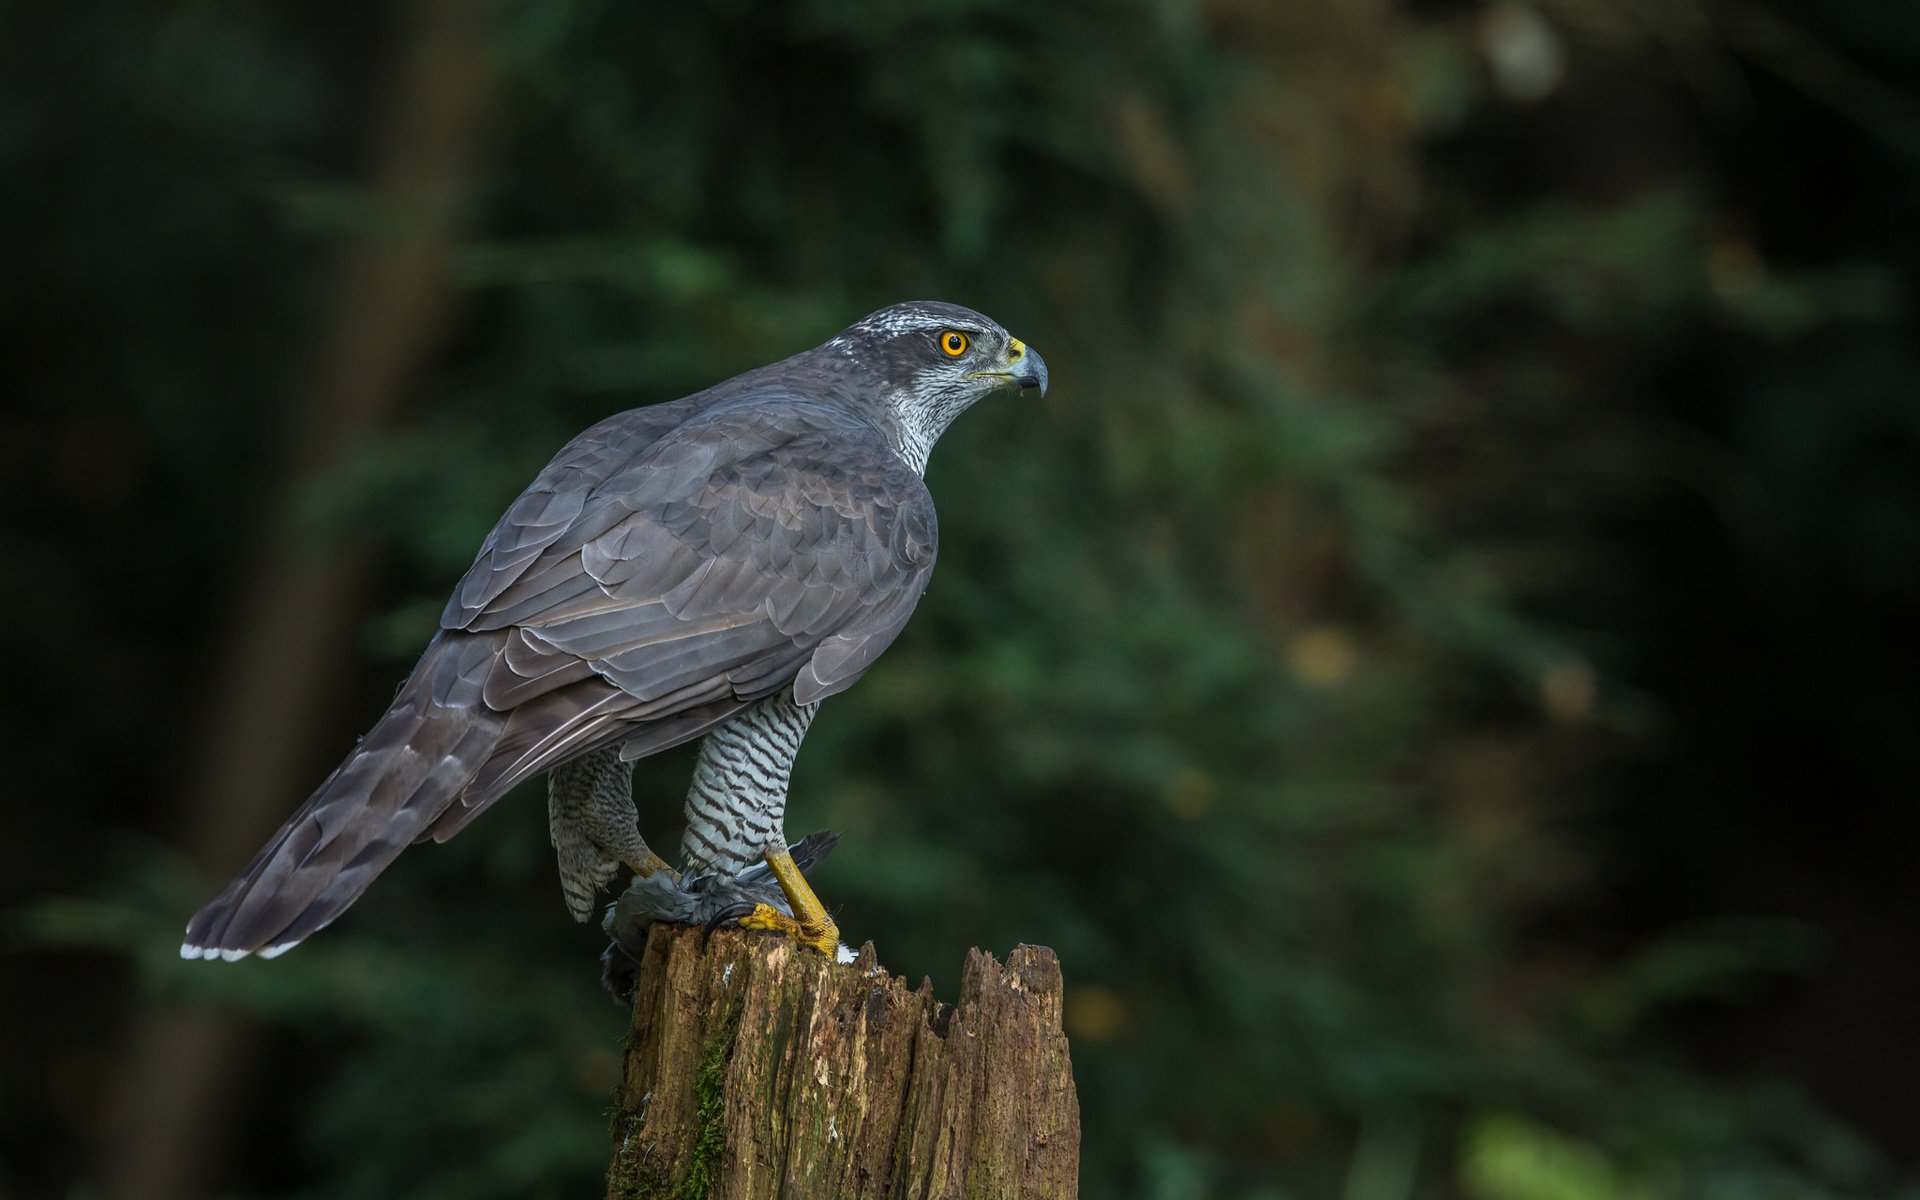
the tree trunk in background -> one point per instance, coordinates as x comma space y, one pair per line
755, 1070
301, 602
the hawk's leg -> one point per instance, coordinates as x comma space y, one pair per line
737, 807
595, 828
809, 925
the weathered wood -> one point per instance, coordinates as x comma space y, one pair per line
755, 1070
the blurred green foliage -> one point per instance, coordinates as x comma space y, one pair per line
1260, 675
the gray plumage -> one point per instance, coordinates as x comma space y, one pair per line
738, 797
593, 823
670, 570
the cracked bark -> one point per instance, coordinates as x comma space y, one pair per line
755, 1070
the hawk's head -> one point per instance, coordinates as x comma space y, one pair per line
927, 347
931, 362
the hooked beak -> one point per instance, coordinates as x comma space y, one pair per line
1025, 368
1029, 369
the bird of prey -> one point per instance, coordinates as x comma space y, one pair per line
716, 566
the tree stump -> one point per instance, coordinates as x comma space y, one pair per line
756, 1070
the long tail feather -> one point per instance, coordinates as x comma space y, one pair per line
404, 774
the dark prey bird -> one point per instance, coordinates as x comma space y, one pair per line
716, 565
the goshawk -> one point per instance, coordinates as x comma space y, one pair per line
716, 565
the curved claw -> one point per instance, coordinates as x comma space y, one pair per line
732, 914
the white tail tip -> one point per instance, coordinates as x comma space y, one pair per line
191, 951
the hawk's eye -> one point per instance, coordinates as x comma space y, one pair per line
954, 343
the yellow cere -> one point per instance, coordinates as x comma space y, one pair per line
1016, 349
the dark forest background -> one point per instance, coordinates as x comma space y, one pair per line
1432, 665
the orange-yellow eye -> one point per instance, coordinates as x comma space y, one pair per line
954, 343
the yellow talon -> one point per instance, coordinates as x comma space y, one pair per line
810, 925
766, 916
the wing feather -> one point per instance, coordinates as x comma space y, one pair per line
768, 542
554, 506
